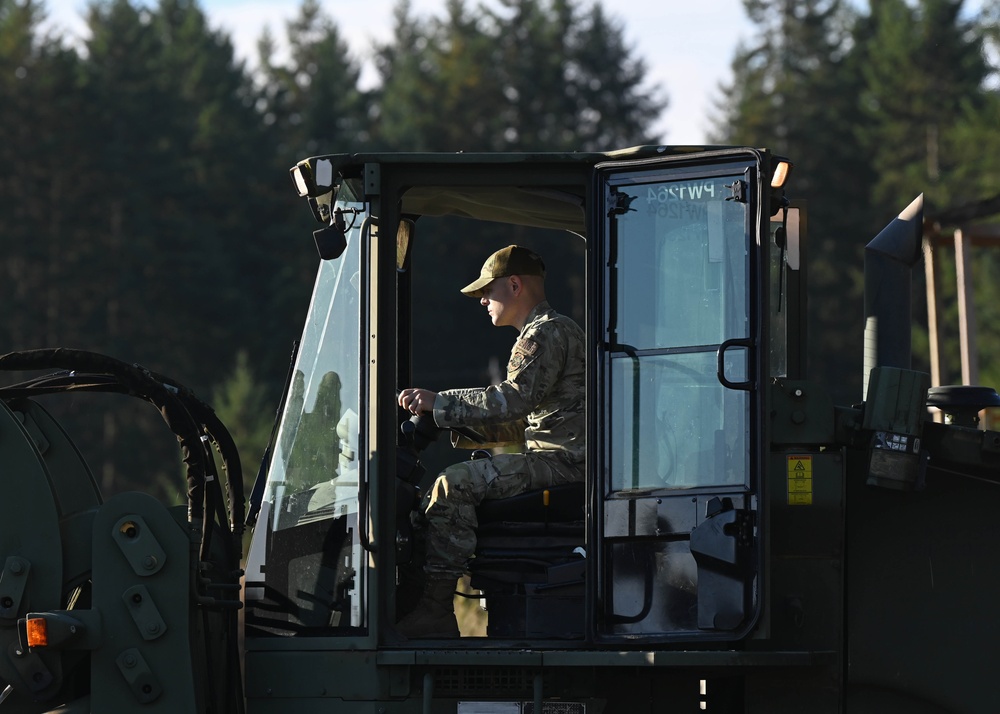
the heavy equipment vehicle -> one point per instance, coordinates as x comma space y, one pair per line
741, 544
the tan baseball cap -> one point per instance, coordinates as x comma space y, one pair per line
512, 260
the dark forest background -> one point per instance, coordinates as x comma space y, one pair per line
146, 210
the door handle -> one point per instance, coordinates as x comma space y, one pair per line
747, 385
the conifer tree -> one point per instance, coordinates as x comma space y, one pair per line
923, 68
314, 102
41, 166
795, 91
440, 88
527, 75
931, 117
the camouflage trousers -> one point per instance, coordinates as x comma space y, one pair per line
450, 505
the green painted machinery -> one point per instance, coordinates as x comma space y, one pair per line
742, 544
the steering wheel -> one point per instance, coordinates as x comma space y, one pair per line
422, 430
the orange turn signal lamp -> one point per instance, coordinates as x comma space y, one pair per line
56, 629
38, 632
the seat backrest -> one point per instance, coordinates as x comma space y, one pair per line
565, 503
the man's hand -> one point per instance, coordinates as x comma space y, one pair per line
416, 401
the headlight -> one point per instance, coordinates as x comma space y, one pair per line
313, 177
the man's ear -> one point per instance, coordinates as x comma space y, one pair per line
515, 284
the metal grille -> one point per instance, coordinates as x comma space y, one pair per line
491, 681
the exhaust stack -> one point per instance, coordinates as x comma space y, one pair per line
889, 260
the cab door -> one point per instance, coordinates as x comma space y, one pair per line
678, 421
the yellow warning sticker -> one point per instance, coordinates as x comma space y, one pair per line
800, 485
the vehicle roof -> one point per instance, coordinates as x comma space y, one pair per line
344, 160
454, 184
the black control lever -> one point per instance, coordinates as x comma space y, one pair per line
420, 430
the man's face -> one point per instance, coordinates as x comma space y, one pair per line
497, 299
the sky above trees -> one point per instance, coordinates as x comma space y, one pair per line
688, 45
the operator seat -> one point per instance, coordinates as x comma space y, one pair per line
530, 562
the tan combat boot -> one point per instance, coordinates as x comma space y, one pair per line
434, 615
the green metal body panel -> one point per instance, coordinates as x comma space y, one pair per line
922, 582
31, 556
141, 590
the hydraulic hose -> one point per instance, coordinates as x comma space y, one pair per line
187, 417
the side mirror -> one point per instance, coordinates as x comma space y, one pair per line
330, 242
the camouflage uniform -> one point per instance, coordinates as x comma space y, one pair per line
539, 405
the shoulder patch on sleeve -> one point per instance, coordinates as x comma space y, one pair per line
528, 346
526, 351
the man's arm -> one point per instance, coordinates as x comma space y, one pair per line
416, 400
535, 364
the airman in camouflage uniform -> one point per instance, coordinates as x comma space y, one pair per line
540, 405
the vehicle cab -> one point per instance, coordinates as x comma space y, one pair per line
681, 265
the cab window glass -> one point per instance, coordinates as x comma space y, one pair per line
680, 291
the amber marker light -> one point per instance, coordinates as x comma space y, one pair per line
38, 632
781, 170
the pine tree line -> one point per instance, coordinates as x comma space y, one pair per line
145, 205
